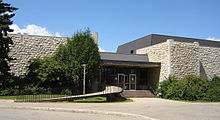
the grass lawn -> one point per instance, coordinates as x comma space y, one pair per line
198, 101
8, 97
86, 100
98, 100
92, 99
30, 97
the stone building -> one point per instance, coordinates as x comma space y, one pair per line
136, 66
178, 56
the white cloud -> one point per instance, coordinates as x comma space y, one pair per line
37, 30
33, 29
212, 38
9, 13
101, 50
57, 34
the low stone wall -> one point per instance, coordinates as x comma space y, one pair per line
27, 47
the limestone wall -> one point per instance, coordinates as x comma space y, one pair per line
181, 58
184, 59
209, 61
27, 47
193, 59
177, 58
158, 53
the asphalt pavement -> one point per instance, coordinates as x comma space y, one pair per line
141, 108
21, 114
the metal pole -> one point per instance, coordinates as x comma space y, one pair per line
84, 79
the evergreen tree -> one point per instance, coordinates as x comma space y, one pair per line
5, 16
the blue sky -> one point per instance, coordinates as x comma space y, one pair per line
120, 21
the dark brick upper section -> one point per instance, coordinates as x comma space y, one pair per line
153, 39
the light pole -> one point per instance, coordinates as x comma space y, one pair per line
84, 79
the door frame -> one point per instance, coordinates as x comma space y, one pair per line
123, 80
130, 81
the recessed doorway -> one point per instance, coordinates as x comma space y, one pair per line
127, 83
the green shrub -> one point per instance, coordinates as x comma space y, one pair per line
66, 92
7, 92
174, 91
213, 92
165, 85
13, 85
189, 88
44, 72
193, 88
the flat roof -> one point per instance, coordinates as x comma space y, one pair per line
153, 39
126, 60
123, 57
130, 64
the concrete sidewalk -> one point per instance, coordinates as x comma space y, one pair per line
145, 108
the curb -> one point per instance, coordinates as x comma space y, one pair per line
79, 111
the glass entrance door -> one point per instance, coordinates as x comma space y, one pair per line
132, 82
126, 82
121, 80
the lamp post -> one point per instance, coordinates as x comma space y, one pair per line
84, 79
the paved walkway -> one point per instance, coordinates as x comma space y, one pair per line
108, 90
150, 107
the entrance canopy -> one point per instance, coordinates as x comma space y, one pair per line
129, 71
129, 60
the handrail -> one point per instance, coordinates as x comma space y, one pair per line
108, 90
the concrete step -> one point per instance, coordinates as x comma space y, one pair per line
137, 93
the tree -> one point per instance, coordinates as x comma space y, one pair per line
80, 49
5, 16
64, 68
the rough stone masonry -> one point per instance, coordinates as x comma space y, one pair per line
28, 47
181, 58
177, 58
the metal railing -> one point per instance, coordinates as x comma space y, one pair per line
64, 94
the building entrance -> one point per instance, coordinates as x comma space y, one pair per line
132, 82
127, 83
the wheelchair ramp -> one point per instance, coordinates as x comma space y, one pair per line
108, 90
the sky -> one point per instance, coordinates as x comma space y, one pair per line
118, 21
